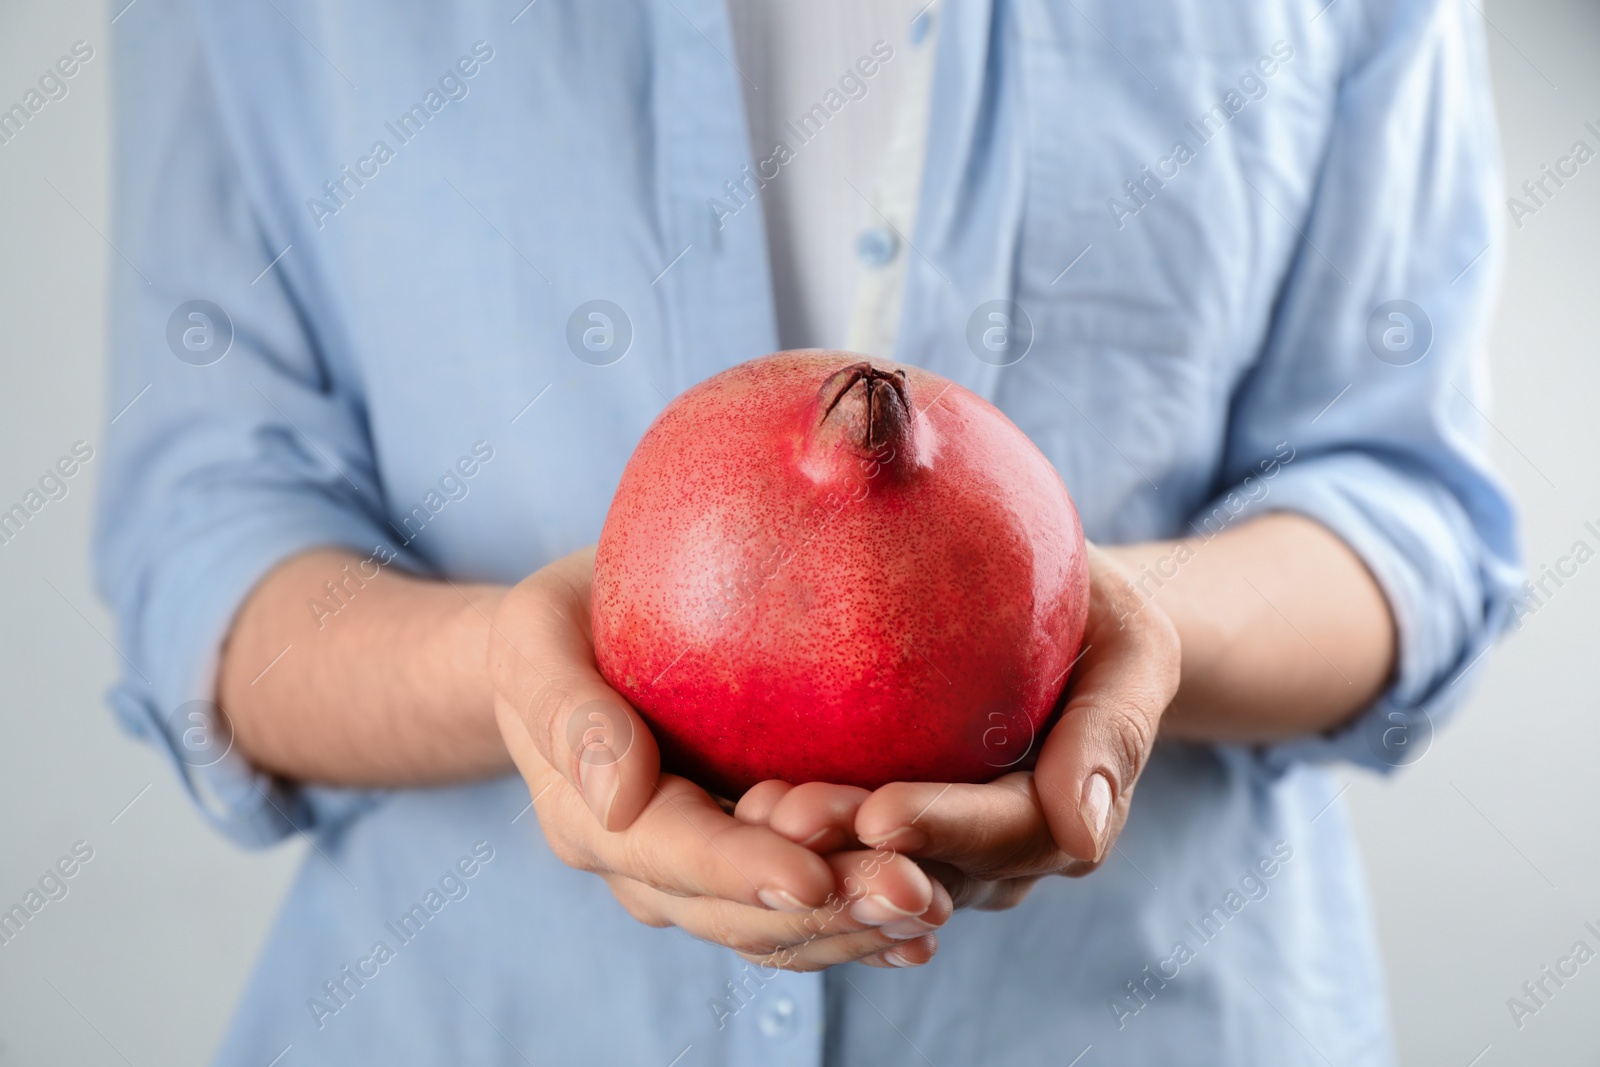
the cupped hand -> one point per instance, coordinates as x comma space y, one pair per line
988, 844
666, 849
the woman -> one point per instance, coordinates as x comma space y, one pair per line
405, 289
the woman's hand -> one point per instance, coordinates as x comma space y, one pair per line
668, 851
987, 844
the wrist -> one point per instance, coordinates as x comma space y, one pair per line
461, 644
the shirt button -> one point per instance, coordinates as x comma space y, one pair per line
780, 1018
877, 246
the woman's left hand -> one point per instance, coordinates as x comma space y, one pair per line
989, 843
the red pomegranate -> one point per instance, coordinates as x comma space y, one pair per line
820, 568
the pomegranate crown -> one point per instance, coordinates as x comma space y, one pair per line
881, 417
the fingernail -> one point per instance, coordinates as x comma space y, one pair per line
905, 839
877, 910
906, 929
782, 900
599, 782
818, 836
1097, 809
894, 959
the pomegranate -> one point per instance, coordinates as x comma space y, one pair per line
821, 568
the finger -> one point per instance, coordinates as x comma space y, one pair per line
888, 891
909, 954
792, 942
821, 952
983, 894
746, 930
920, 934
818, 815
990, 831
646, 905
755, 807
525, 754
683, 843
878, 892
827, 952
541, 658
883, 899
1093, 756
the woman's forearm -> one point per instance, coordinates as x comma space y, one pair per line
1285, 632
368, 681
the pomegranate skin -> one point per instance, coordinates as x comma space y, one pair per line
820, 568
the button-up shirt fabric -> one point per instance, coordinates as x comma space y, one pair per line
449, 260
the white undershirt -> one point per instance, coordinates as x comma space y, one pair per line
843, 200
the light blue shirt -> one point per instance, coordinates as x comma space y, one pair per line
1253, 245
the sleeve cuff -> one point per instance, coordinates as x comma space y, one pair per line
167, 694
1448, 601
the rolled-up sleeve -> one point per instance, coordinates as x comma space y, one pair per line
217, 469
1374, 378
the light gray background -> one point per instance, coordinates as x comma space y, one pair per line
1483, 857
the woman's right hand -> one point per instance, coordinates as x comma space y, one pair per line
666, 849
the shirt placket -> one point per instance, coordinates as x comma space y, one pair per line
882, 246
774, 1017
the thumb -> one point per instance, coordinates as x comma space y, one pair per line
1092, 758
542, 662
